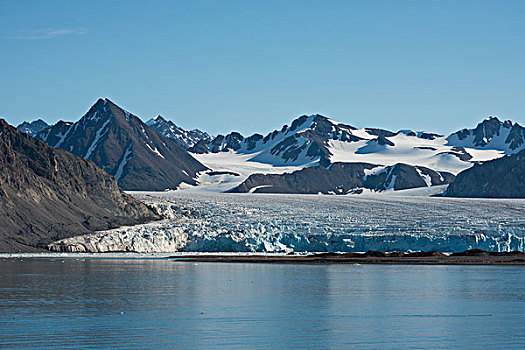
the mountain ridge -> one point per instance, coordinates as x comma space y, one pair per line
125, 147
185, 138
316, 140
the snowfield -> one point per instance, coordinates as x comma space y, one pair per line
411, 150
219, 222
241, 164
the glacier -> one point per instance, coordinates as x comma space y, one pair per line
270, 223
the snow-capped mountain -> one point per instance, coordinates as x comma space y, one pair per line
491, 133
309, 141
317, 140
121, 144
32, 128
185, 138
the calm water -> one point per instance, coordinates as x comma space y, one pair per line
104, 303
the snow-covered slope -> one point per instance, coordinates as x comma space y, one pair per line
185, 138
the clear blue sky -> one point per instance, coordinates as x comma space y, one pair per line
252, 66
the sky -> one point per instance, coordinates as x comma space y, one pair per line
252, 66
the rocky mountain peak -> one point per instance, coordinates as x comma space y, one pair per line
185, 138
158, 119
121, 144
32, 128
491, 133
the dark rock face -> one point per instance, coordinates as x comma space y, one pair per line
54, 135
231, 142
385, 133
343, 178
222, 143
499, 178
185, 138
382, 140
121, 144
516, 137
402, 176
48, 194
200, 147
251, 141
428, 135
32, 128
459, 152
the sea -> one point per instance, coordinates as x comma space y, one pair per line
127, 302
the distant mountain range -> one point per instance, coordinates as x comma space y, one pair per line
32, 128
312, 143
185, 138
159, 155
48, 194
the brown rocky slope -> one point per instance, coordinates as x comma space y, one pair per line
48, 194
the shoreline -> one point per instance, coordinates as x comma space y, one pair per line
469, 257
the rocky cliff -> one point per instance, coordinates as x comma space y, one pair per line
48, 194
499, 178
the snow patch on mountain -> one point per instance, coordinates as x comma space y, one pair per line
100, 132
125, 159
62, 137
156, 151
232, 162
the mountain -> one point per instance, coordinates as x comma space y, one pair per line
231, 142
48, 194
55, 134
344, 178
491, 133
185, 138
121, 144
316, 140
498, 178
32, 128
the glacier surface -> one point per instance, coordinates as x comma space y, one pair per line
220, 222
